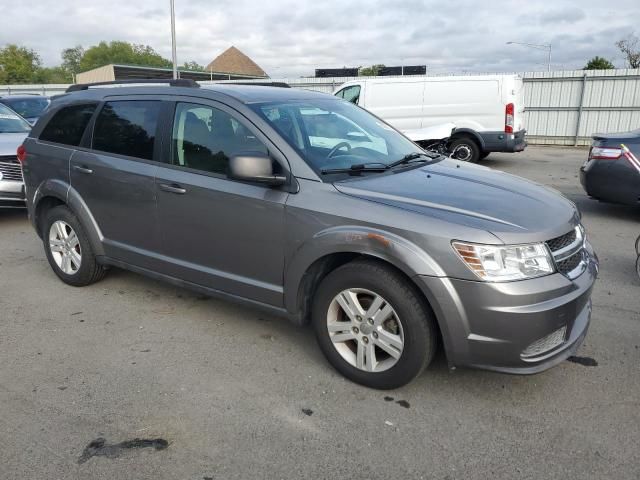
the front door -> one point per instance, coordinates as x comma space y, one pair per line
217, 232
116, 178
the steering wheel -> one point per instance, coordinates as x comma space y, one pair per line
335, 149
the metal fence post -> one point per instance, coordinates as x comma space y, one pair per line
578, 121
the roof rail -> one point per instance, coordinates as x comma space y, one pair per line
259, 84
180, 82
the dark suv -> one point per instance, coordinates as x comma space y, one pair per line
310, 207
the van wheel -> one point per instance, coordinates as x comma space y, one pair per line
465, 149
68, 249
372, 325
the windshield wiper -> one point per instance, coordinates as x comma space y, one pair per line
413, 156
357, 168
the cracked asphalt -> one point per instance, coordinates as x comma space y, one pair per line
213, 390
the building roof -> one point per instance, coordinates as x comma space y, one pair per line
234, 61
112, 72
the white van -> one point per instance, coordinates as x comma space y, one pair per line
487, 110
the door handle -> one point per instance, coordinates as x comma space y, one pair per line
80, 169
173, 188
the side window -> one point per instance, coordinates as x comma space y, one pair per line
127, 128
204, 138
350, 94
68, 124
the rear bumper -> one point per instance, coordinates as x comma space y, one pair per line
504, 142
11, 194
495, 325
611, 180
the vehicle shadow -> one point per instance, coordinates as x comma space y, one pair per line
12, 215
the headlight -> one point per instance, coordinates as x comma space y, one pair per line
501, 263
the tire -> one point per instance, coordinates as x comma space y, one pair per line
466, 146
408, 323
79, 270
484, 155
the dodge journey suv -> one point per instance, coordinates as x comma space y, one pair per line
310, 207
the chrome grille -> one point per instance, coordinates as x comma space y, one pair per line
568, 252
562, 241
10, 168
545, 344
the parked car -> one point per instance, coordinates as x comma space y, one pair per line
29, 107
611, 173
13, 130
487, 110
242, 192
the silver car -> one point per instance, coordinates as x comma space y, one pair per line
309, 207
13, 130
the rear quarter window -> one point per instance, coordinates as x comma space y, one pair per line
68, 124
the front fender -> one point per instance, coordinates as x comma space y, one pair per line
398, 251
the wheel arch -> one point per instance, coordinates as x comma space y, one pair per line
54, 193
468, 133
339, 245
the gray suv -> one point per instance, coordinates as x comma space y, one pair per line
312, 208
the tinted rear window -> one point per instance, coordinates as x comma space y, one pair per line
68, 124
127, 128
27, 107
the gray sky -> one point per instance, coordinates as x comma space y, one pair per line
292, 38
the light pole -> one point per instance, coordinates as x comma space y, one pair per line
173, 41
543, 46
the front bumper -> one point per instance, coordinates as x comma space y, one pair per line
12, 194
494, 325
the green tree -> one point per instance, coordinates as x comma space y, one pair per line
18, 64
52, 75
71, 58
371, 71
629, 47
121, 52
195, 66
598, 63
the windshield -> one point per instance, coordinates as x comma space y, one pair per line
333, 134
27, 107
12, 123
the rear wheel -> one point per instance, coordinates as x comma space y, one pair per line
372, 325
68, 248
465, 149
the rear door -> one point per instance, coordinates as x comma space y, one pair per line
116, 176
217, 232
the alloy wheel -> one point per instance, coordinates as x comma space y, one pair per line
65, 247
365, 330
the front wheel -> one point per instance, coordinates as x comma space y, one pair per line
372, 325
465, 150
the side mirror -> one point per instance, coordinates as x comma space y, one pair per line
254, 167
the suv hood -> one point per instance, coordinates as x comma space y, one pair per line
9, 142
512, 208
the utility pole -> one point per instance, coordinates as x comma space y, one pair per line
173, 41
